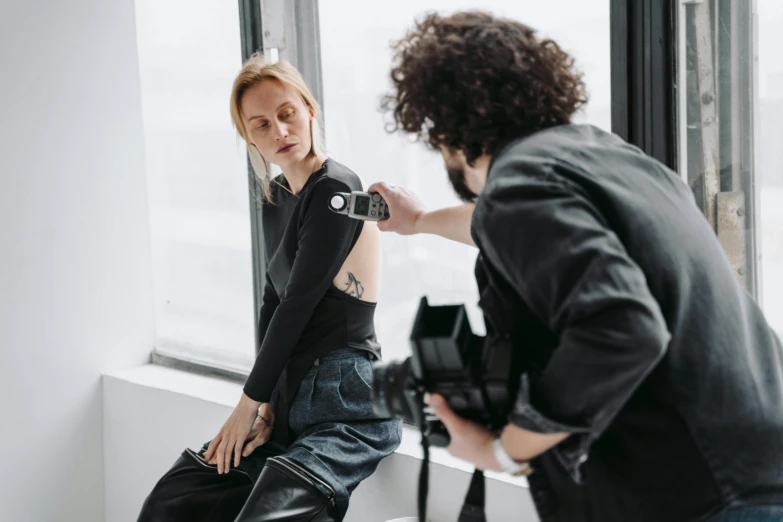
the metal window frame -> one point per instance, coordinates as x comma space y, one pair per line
644, 76
650, 109
291, 27
252, 40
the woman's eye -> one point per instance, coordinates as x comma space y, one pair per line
263, 126
287, 115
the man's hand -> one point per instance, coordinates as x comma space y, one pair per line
469, 441
473, 443
409, 216
405, 209
227, 445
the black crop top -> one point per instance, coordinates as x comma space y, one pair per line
305, 246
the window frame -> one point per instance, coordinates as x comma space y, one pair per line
644, 87
301, 47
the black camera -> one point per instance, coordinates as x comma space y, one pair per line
478, 376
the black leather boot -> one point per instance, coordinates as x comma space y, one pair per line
288, 492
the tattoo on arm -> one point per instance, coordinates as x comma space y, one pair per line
354, 286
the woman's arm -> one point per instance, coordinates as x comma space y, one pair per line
409, 216
325, 240
269, 302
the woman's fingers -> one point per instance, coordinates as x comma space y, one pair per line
258, 440
226, 455
250, 447
210, 453
221, 456
237, 452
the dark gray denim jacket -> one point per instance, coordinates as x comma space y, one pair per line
637, 337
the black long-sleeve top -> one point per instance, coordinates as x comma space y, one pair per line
305, 245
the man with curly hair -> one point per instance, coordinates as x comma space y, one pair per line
653, 385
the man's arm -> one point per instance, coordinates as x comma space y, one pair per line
572, 270
409, 216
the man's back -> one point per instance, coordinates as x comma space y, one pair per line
704, 428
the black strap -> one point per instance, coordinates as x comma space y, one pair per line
473, 507
424, 474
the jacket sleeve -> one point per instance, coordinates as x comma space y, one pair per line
556, 249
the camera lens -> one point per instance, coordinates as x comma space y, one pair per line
390, 389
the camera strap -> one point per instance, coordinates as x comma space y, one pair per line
424, 474
472, 508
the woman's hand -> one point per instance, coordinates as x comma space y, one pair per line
261, 430
232, 436
405, 209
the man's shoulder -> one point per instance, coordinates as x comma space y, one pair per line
565, 154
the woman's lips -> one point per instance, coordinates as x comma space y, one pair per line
286, 148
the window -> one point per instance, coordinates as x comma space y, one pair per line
730, 108
356, 61
189, 53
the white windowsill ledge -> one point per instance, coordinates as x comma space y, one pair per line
226, 393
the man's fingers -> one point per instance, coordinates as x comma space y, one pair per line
377, 187
441, 408
382, 188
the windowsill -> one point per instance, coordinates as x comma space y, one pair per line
227, 393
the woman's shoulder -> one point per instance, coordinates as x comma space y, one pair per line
340, 174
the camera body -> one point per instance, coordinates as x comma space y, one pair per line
478, 376
360, 205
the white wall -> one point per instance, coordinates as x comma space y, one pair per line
186, 410
75, 291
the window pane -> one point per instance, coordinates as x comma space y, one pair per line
730, 111
356, 64
769, 157
189, 53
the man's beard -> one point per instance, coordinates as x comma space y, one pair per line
457, 179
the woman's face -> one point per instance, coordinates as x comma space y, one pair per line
278, 122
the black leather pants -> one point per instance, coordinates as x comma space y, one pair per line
192, 491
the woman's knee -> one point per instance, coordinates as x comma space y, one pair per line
192, 493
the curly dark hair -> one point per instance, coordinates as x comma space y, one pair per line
473, 81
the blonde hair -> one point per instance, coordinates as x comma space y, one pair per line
255, 70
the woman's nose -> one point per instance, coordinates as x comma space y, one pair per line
282, 132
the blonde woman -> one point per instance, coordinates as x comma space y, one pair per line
303, 435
